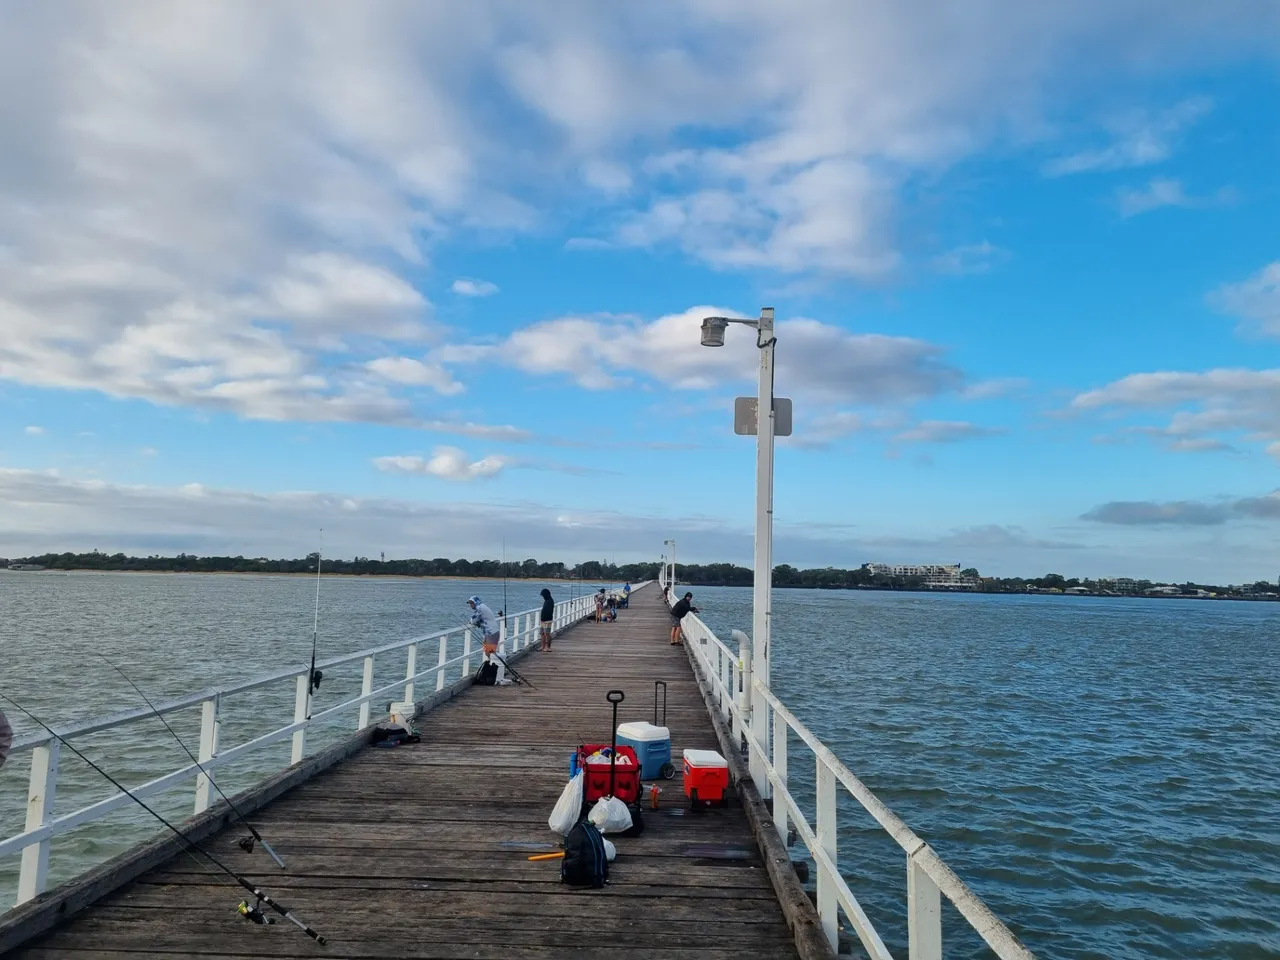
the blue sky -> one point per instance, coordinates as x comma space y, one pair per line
433, 279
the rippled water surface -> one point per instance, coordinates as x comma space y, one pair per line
1104, 773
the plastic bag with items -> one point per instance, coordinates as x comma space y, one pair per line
610, 815
567, 808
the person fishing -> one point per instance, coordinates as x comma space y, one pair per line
600, 605
545, 619
684, 606
484, 620
626, 595
6, 738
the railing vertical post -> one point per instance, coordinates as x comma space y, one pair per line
410, 671
441, 661
780, 729
466, 654
208, 747
301, 700
41, 791
366, 688
924, 915
826, 837
529, 624
745, 696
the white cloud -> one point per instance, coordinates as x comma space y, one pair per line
1255, 300
1158, 193
816, 360
944, 431
970, 259
1205, 406
991, 389
148, 451
447, 463
474, 288
33, 431
1140, 140
411, 372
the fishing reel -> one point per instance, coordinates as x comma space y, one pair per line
316, 677
246, 844
254, 914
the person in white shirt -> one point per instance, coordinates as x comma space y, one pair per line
484, 620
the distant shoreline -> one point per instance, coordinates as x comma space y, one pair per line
323, 574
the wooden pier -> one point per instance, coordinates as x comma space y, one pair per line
421, 851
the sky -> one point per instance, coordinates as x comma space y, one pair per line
429, 277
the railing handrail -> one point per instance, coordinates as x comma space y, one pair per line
518, 629
735, 697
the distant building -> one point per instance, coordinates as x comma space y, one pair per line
1164, 590
1120, 585
942, 575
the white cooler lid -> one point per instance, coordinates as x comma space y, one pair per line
705, 758
642, 731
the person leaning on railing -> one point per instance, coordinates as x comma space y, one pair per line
683, 607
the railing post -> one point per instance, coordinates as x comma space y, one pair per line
466, 654
365, 689
301, 700
444, 657
410, 671
745, 697
780, 768
41, 791
924, 915
208, 747
826, 837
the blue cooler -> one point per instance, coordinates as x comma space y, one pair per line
652, 745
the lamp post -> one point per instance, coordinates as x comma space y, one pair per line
672, 545
713, 330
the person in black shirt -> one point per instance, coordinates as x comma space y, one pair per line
545, 618
683, 606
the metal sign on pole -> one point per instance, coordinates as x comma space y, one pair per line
744, 416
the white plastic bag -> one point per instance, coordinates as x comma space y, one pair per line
610, 851
567, 808
610, 815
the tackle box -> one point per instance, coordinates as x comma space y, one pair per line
706, 778
652, 745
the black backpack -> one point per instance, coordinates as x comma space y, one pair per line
487, 675
585, 863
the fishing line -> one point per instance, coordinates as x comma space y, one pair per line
250, 913
246, 844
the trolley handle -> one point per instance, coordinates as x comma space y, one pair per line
656, 685
615, 696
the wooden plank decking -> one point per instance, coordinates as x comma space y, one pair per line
420, 852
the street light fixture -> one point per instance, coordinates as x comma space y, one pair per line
672, 545
713, 331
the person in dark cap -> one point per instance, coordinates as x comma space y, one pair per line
684, 606
545, 619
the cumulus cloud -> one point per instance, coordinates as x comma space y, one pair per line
813, 359
474, 288
1183, 513
447, 463
33, 431
1163, 192
412, 372
944, 431
1255, 300
1140, 139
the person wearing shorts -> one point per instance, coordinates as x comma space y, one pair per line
600, 605
545, 619
483, 619
683, 607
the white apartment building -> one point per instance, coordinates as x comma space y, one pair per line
934, 574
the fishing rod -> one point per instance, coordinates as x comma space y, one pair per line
253, 913
246, 844
315, 676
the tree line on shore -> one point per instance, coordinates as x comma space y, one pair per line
710, 574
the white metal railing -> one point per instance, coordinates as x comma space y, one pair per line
752, 710
517, 631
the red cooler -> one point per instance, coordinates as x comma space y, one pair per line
706, 778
